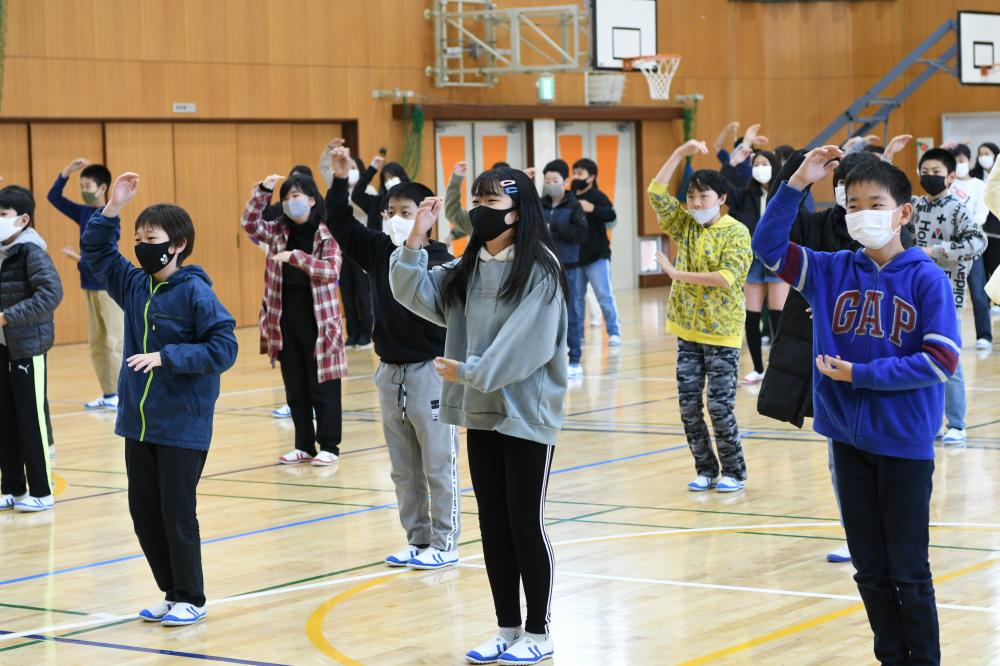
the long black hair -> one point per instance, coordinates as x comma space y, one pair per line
978, 171
391, 169
531, 238
308, 187
772, 159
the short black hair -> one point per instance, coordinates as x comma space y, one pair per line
174, 221
301, 168
939, 155
307, 186
391, 169
962, 149
587, 164
783, 152
849, 162
500, 165
884, 174
97, 173
558, 166
704, 180
411, 191
20, 199
877, 150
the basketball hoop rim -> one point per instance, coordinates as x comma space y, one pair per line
629, 64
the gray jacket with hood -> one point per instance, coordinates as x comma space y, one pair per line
514, 356
30, 290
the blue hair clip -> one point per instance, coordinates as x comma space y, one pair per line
509, 186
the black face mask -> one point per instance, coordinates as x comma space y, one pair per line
579, 183
488, 223
933, 185
153, 257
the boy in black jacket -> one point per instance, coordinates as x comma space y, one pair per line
595, 255
30, 290
423, 451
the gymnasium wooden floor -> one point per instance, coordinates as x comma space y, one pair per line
645, 570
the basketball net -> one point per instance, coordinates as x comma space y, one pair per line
659, 71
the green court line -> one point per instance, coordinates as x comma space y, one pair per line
44, 610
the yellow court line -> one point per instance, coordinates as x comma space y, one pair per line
314, 625
58, 484
816, 621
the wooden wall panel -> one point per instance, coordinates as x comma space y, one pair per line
308, 140
15, 162
148, 150
206, 186
53, 146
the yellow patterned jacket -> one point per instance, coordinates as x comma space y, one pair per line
708, 315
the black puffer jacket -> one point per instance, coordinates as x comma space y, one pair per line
30, 290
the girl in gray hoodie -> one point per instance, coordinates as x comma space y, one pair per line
504, 306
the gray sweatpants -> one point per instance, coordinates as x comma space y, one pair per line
423, 452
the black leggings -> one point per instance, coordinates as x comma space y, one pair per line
510, 477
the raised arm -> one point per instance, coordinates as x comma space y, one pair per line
366, 201
413, 286
453, 210
99, 243
356, 240
672, 216
66, 206
253, 222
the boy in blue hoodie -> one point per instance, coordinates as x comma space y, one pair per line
886, 340
178, 340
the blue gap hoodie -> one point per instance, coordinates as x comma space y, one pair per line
896, 323
181, 318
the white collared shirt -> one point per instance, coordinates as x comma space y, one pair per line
506, 254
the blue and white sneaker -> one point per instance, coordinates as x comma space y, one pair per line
490, 651
575, 370
432, 558
7, 502
183, 613
702, 483
157, 612
839, 556
954, 438
729, 485
33, 504
403, 557
282, 412
104, 402
528, 650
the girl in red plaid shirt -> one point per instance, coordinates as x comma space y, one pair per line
300, 318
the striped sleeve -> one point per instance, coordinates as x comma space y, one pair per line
793, 267
941, 354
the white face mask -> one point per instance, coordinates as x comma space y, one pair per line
840, 194
353, 176
9, 227
391, 183
398, 229
962, 169
705, 215
986, 161
871, 228
762, 173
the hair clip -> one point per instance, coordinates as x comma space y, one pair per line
509, 186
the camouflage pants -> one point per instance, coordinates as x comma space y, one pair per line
697, 362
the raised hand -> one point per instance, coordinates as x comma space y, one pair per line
724, 140
740, 155
75, 165
335, 143
530, 172
461, 168
895, 145
692, 148
818, 164
427, 215
272, 180
340, 161
377, 162
123, 190
872, 139
751, 138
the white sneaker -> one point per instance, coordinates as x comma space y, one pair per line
575, 370
183, 613
325, 459
156, 612
102, 403
702, 483
432, 558
842, 554
528, 650
615, 341
753, 378
294, 457
729, 485
402, 558
995, 310
490, 651
33, 504
983, 343
954, 437
282, 412
596, 322
765, 341
7, 502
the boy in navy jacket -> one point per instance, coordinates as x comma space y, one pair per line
178, 340
886, 339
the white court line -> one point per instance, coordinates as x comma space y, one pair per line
735, 588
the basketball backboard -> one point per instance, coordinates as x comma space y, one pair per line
979, 48
622, 29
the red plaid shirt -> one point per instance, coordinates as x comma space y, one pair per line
323, 268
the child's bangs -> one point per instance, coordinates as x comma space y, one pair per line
488, 183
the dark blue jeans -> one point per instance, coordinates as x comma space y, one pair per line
980, 301
574, 310
885, 503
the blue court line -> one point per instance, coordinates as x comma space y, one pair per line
311, 521
135, 648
